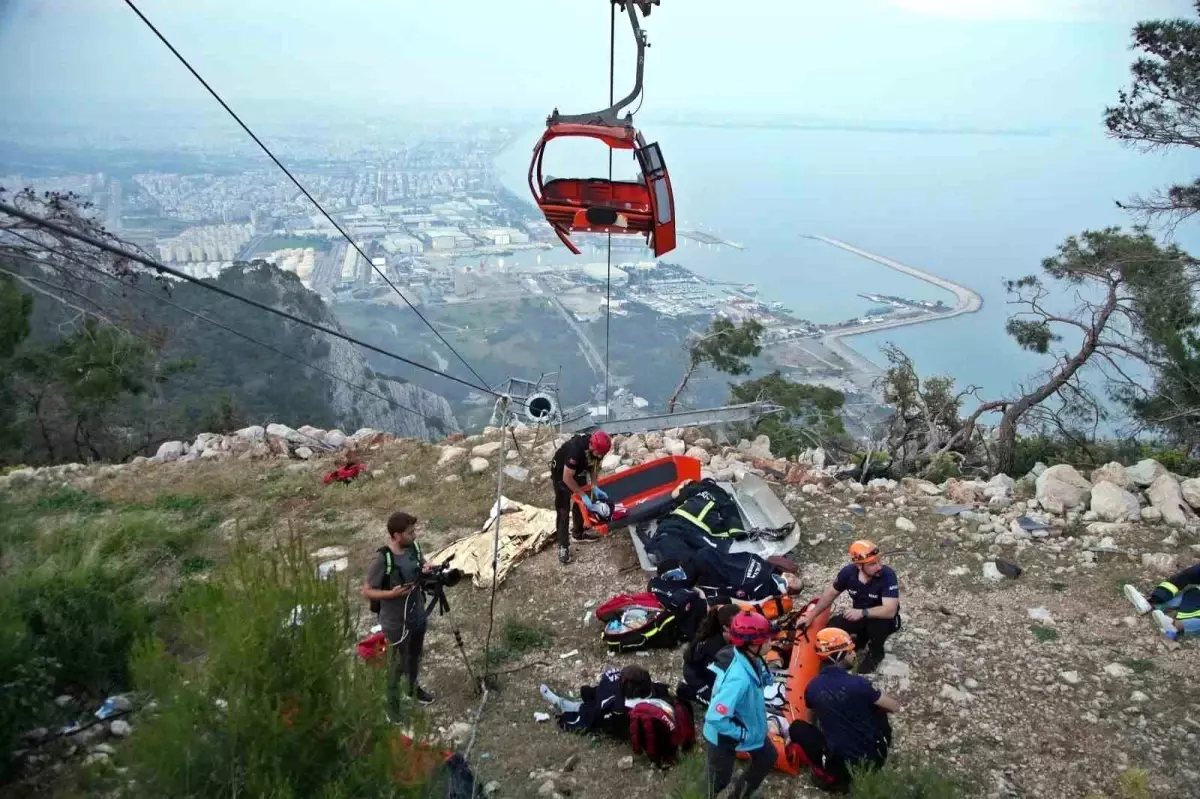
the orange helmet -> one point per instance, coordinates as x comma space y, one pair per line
863, 552
832, 640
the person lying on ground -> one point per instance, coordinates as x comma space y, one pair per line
736, 719
701, 652
1179, 594
875, 598
604, 707
847, 725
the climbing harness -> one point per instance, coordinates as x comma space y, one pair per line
594, 205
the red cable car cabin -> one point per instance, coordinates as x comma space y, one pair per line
596, 205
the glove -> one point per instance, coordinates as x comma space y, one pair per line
598, 493
588, 503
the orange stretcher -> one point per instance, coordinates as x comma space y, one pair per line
644, 490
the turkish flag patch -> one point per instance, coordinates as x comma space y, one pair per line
722, 709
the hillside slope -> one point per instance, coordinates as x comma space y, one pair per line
1006, 682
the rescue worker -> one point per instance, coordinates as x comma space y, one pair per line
736, 719
701, 653
604, 707
708, 509
394, 581
847, 723
575, 465
875, 599
1179, 593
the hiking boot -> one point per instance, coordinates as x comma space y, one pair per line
1136, 599
869, 663
564, 555
585, 536
422, 696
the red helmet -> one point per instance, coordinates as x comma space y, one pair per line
749, 627
601, 442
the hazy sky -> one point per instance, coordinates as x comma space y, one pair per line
984, 62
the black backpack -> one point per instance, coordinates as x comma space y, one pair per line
387, 576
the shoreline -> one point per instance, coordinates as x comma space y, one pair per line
967, 301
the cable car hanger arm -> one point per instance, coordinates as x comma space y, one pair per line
612, 116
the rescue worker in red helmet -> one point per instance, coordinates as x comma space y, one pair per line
736, 719
875, 599
575, 465
847, 723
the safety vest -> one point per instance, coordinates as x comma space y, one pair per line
699, 520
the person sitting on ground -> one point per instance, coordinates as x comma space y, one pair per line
1180, 593
736, 719
847, 722
875, 594
604, 707
701, 653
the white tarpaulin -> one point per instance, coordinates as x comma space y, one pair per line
524, 530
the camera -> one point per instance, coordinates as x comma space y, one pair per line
435, 582
441, 576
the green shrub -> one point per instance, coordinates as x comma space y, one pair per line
85, 620
26, 684
906, 778
942, 468
252, 704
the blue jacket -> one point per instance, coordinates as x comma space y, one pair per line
737, 708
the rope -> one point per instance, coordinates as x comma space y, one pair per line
163, 268
300, 186
502, 406
502, 409
612, 72
215, 323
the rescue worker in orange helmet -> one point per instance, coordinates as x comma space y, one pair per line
847, 721
875, 598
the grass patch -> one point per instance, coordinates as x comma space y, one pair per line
181, 503
68, 499
195, 564
1059, 587
517, 639
1043, 634
1141, 666
907, 778
1134, 783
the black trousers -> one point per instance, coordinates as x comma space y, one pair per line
565, 510
720, 767
869, 634
404, 660
830, 768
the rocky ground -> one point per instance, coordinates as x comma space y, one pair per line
1042, 684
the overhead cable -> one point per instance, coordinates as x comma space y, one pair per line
301, 187
167, 301
62, 230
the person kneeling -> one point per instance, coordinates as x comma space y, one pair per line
847, 723
736, 720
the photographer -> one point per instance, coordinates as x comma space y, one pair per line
394, 584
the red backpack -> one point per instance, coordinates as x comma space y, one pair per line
660, 732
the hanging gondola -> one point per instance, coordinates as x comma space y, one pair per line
596, 205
